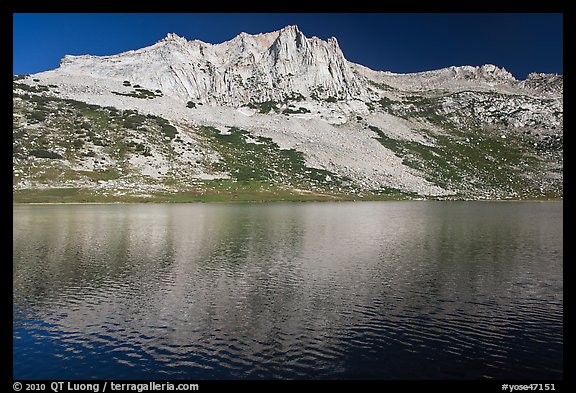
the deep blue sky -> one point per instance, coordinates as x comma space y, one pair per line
521, 43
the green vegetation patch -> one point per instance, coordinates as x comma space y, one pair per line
101, 174
42, 153
169, 130
232, 190
268, 106
289, 110
133, 120
386, 102
264, 106
76, 195
294, 96
476, 162
31, 89
257, 158
141, 93
96, 141
380, 85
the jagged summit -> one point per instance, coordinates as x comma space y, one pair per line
173, 37
544, 83
247, 68
485, 72
252, 68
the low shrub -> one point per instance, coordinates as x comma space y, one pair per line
42, 153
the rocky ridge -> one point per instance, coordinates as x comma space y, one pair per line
247, 68
469, 132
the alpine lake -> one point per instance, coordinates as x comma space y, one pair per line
389, 290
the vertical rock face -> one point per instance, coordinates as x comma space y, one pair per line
248, 68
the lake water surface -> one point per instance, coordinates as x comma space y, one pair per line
371, 290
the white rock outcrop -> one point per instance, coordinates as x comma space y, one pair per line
248, 68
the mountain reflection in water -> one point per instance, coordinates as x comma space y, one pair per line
383, 290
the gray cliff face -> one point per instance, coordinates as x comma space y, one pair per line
248, 68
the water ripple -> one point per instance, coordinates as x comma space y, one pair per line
288, 291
